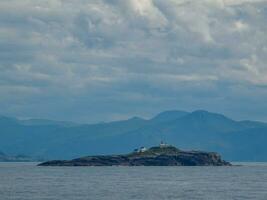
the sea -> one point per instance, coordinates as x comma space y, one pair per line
27, 181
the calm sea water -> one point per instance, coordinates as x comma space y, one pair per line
26, 181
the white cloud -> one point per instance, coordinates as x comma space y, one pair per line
151, 49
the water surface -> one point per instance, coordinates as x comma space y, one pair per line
26, 181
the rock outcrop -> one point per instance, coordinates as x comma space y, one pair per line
155, 156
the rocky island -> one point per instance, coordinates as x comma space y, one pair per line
163, 155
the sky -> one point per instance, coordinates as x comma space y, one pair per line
104, 60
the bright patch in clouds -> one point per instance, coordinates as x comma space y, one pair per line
100, 59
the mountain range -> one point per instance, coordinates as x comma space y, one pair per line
16, 158
198, 130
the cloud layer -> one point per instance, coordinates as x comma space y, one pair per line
106, 60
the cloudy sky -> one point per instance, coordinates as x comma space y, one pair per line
102, 60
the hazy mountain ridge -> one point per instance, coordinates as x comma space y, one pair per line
37, 122
197, 130
16, 158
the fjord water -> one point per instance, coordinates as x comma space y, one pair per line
26, 181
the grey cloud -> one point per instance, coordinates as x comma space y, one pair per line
121, 58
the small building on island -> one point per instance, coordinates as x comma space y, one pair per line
140, 150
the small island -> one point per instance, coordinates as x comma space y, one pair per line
162, 155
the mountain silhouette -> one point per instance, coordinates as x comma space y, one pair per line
203, 130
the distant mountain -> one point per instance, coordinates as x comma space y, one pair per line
6, 121
235, 140
34, 122
2, 154
169, 116
37, 122
17, 158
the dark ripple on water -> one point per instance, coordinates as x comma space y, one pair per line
26, 181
